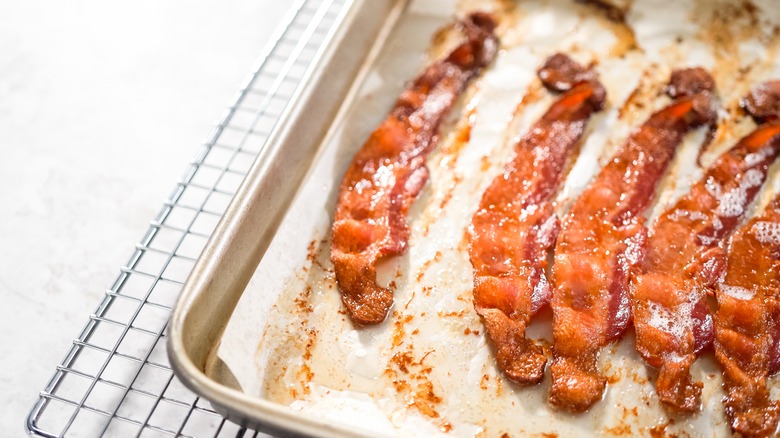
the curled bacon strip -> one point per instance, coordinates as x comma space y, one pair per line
515, 226
389, 171
601, 241
747, 323
684, 262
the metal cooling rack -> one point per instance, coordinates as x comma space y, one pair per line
116, 380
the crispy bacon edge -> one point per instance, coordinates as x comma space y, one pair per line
515, 226
389, 171
602, 239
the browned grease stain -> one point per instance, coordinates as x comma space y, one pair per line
456, 179
658, 431
534, 94
737, 121
483, 382
426, 265
639, 380
410, 378
302, 338
620, 429
399, 330
624, 428
649, 87
414, 293
449, 151
313, 252
613, 17
303, 302
733, 106
305, 374
724, 26
484, 163
614, 377
452, 314
461, 135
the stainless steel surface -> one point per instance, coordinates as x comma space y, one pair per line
237, 246
115, 379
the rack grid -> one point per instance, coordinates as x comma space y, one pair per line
115, 379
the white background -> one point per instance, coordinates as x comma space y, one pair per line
102, 105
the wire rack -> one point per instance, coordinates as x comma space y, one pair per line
115, 379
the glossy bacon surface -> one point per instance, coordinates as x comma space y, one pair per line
685, 260
515, 226
601, 241
389, 171
747, 324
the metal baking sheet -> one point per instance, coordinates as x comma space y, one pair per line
292, 351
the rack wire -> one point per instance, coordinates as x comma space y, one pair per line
115, 379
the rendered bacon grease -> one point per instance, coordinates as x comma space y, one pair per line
602, 238
389, 171
515, 227
747, 323
684, 261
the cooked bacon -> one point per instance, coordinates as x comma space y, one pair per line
747, 324
763, 102
685, 260
601, 241
515, 226
389, 171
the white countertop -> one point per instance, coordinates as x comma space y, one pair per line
102, 105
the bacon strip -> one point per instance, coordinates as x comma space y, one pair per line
389, 171
685, 260
747, 323
602, 238
515, 226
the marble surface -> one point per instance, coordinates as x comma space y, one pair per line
102, 104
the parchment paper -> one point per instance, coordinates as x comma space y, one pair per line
428, 370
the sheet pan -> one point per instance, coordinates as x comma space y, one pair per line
290, 354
